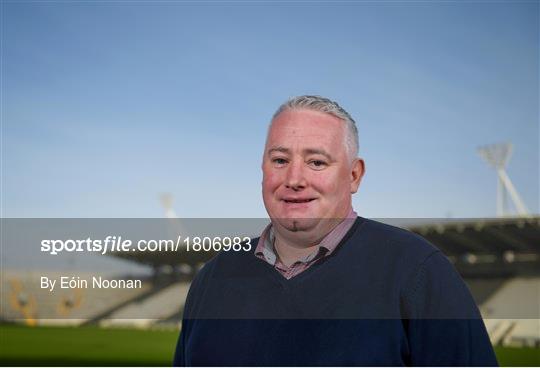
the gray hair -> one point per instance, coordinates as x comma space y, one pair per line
325, 105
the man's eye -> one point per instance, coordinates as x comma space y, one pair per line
318, 164
279, 161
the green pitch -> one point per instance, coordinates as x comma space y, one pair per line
518, 357
89, 346
93, 346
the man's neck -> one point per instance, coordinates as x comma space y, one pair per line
290, 247
290, 253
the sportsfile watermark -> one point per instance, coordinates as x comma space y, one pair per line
117, 243
112, 268
80, 268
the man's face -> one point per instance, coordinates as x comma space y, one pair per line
307, 174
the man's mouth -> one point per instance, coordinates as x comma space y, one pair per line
299, 200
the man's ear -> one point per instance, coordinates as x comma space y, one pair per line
357, 172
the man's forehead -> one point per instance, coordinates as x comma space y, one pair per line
306, 123
282, 134
294, 139
306, 117
305, 130
298, 134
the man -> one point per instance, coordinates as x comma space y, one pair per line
323, 286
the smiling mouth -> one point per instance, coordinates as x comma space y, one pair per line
298, 200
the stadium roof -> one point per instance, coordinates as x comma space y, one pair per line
499, 246
488, 247
483, 236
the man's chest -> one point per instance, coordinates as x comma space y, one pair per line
296, 342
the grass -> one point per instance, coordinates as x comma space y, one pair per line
93, 346
85, 346
518, 357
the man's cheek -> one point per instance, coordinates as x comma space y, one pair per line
325, 184
271, 181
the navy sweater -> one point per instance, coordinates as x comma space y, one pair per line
384, 297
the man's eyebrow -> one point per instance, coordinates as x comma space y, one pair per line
307, 151
316, 151
278, 149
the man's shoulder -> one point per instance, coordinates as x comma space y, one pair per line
386, 246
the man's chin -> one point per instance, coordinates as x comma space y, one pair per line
305, 230
298, 224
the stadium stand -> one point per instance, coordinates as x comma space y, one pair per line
512, 313
483, 288
514, 332
152, 308
27, 302
499, 259
517, 298
525, 333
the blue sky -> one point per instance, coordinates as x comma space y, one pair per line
108, 104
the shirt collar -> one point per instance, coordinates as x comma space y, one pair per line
265, 246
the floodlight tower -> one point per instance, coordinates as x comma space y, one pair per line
166, 201
497, 156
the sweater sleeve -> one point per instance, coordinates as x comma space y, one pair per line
445, 327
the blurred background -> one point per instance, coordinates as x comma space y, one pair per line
142, 109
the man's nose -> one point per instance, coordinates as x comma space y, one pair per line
296, 176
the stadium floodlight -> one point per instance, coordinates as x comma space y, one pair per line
497, 156
167, 201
